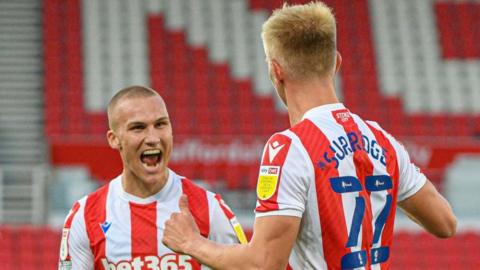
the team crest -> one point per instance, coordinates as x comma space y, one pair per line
267, 181
342, 115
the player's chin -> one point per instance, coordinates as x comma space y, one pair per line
151, 179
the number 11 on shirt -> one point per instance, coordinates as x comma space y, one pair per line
375, 183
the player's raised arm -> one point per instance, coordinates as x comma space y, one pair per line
269, 248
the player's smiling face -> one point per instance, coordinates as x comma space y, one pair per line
143, 135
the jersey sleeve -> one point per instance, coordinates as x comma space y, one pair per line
411, 179
283, 179
75, 250
225, 227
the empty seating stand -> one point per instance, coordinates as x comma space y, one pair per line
27, 247
423, 251
209, 96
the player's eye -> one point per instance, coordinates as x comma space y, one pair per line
136, 127
161, 124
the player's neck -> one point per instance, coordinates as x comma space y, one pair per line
142, 188
304, 96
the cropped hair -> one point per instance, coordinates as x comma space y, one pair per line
134, 91
302, 39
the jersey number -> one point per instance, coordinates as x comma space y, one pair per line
345, 184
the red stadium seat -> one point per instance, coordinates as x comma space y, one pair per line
193, 84
26, 247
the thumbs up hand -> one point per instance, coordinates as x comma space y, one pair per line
183, 204
181, 231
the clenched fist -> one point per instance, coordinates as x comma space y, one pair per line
181, 231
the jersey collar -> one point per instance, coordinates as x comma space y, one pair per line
323, 109
162, 195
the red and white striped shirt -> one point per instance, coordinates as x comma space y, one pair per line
111, 229
343, 177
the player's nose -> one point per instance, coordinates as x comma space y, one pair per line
152, 137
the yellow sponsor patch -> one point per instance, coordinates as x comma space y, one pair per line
238, 231
267, 181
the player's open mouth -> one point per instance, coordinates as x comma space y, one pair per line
151, 158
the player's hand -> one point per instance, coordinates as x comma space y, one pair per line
181, 230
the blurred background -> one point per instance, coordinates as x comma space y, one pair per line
411, 65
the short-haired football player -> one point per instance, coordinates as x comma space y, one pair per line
120, 226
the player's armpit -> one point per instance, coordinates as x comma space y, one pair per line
429, 209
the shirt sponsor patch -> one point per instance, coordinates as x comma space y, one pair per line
167, 261
64, 244
242, 238
267, 181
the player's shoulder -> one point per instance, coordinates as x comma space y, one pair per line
98, 194
375, 125
279, 144
195, 191
94, 197
189, 186
377, 129
387, 139
281, 137
284, 147
291, 135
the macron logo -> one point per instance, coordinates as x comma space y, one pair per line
273, 150
105, 226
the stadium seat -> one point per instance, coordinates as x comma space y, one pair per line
23, 247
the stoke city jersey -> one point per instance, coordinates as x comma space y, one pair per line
111, 229
343, 177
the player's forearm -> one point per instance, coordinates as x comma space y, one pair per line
222, 256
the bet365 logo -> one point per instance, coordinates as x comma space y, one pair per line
171, 261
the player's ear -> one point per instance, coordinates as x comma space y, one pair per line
277, 71
338, 62
113, 140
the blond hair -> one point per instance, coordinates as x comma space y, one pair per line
302, 39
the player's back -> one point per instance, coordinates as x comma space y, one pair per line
355, 190
342, 174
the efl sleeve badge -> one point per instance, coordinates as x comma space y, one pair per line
267, 181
